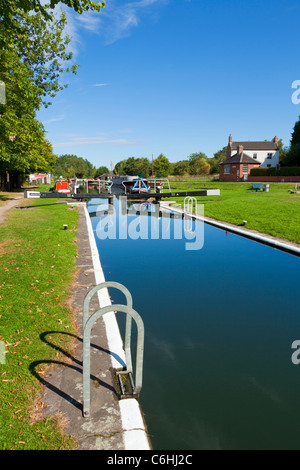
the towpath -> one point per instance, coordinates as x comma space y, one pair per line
9, 204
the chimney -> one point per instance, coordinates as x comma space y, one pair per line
230, 139
275, 139
240, 149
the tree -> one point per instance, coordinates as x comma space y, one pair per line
134, 166
181, 168
161, 165
296, 134
42, 47
198, 163
100, 171
7, 7
71, 166
119, 168
282, 150
218, 158
32, 58
23, 145
292, 157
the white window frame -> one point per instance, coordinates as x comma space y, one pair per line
226, 169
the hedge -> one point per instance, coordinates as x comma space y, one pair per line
283, 171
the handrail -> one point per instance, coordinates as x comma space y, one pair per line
88, 322
125, 291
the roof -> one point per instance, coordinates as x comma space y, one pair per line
263, 145
240, 158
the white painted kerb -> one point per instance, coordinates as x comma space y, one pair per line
243, 232
135, 436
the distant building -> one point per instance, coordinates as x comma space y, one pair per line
39, 178
243, 156
104, 177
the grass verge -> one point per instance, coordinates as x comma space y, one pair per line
37, 267
276, 212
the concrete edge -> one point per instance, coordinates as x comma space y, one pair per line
246, 233
135, 434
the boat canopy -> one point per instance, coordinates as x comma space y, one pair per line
140, 186
62, 186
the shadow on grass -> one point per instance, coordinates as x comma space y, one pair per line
75, 366
40, 206
8, 196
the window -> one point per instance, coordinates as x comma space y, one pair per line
255, 156
269, 166
226, 169
245, 169
270, 155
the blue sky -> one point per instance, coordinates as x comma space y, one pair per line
177, 77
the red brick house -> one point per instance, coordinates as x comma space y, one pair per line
238, 166
243, 156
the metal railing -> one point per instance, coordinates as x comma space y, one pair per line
89, 321
189, 203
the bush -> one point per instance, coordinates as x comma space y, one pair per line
290, 171
283, 171
264, 172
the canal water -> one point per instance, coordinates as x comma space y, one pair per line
219, 321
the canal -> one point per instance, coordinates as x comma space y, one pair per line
219, 320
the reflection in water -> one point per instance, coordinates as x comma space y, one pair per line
143, 221
219, 324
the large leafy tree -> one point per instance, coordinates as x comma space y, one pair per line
292, 157
134, 166
71, 166
33, 55
218, 158
42, 47
198, 164
7, 7
296, 134
23, 145
181, 168
161, 165
100, 171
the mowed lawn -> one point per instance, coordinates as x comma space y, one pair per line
276, 212
37, 268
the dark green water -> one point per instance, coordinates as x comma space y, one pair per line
219, 325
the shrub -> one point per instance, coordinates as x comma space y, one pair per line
283, 171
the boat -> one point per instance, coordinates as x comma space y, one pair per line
62, 186
121, 184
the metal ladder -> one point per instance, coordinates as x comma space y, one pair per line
89, 321
189, 202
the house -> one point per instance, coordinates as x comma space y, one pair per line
243, 156
39, 178
237, 167
105, 177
